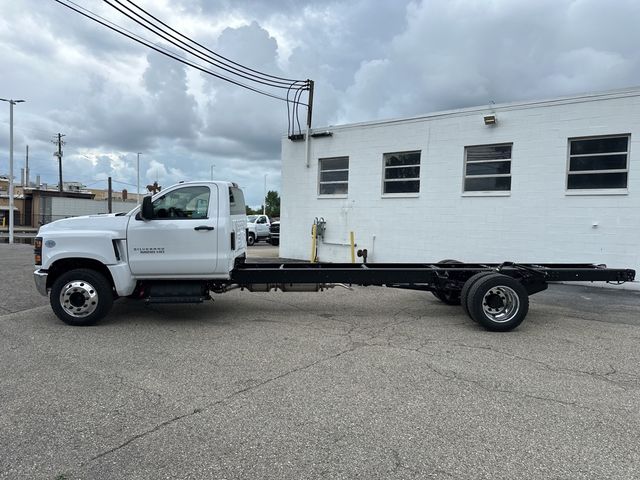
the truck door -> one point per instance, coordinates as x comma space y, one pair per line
262, 226
182, 236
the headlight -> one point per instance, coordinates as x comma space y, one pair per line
37, 250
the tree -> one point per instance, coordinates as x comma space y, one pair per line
273, 204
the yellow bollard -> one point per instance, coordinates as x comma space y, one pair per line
314, 255
353, 247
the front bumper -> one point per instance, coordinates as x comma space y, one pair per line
40, 278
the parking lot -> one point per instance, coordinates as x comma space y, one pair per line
369, 383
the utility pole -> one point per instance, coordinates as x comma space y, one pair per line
11, 104
307, 137
58, 154
212, 165
310, 107
109, 196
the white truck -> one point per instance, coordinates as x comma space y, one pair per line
189, 241
257, 228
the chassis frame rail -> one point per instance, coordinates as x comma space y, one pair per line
429, 275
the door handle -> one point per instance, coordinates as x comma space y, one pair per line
203, 227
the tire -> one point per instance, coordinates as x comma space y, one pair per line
464, 294
498, 302
448, 297
251, 239
275, 242
81, 297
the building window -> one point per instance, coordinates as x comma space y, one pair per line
487, 168
598, 162
401, 172
333, 176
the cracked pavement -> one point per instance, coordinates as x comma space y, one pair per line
370, 383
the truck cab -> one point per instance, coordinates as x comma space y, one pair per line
189, 231
195, 229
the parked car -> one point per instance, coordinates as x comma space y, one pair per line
274, 233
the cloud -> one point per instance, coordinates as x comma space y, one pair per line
369, 60
462, 53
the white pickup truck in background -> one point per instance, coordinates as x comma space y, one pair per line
257, 228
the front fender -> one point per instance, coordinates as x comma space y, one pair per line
96, 246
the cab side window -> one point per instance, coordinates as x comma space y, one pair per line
187, 203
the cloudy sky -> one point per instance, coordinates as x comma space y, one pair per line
370, 59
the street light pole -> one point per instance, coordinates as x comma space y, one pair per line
11, 104
264, 198
138, 170
212, 165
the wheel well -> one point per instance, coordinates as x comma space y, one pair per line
64, 265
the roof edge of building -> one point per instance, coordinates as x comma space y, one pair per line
579, 98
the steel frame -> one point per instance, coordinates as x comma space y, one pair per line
424, 276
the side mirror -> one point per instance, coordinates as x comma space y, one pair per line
146, 212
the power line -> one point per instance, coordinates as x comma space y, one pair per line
288, 80
125, 183
28, 129
96, 18
213, 59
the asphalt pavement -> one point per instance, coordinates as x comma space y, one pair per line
370, 383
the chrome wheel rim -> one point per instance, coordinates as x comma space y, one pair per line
500, 304
79, 298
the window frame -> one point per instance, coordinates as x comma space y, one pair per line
411, 179
597, 191
487, 193
321, 171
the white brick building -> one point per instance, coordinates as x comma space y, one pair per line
551, 181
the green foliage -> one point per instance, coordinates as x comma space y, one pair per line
273, 204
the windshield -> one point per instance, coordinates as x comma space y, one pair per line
251, 218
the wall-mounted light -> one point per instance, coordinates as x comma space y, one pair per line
490, 119
325, 133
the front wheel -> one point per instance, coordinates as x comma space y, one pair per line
498, 302
251, 239
81, 297
275, 242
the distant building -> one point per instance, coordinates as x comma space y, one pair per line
538, 181
36, 206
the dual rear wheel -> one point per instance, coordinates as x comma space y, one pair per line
497, 302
